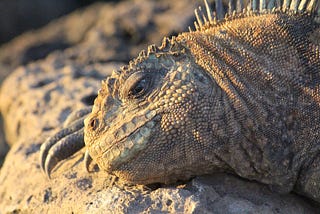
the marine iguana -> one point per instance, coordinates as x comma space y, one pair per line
239, 94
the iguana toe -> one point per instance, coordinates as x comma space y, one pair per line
65, 142
63, 149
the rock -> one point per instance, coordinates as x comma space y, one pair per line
43, 95
36, 99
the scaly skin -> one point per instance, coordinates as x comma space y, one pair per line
241, 95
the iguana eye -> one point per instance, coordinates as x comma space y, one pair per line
137, 85
138, 88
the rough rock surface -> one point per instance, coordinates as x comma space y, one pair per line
36, 99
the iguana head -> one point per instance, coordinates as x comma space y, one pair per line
147, 116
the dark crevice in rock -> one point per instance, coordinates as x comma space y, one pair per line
40, 51
18, 128
3, 143
89, 100
110, 60
47, 128
42, 83
33, 148
47, 195
84, 184
154, 186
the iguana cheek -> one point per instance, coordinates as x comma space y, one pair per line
119, 143
123, 151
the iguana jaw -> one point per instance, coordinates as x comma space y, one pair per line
124, 143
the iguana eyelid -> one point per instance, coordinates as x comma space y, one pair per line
140, 79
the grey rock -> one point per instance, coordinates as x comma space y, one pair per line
38, 97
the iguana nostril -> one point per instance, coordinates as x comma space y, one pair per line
94, 124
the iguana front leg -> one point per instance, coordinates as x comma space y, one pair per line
65, 142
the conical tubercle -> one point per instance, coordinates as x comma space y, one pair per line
204, 18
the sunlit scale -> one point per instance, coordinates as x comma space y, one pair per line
122, 151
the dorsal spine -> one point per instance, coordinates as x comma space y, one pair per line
210, 17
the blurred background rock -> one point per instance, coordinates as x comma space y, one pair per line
17, 16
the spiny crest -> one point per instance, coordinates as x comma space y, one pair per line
169, 46
236, 9
140, 63
211, 18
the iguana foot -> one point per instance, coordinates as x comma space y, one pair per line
65, 142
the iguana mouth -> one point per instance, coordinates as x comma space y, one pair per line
128, 147
127, 141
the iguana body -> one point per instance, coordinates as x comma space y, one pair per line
240, 95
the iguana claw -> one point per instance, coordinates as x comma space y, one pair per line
65, 142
